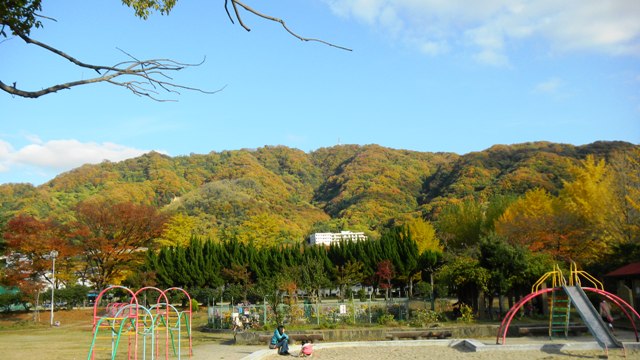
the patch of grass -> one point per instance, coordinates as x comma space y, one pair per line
22, 338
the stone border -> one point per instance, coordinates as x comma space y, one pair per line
373, 334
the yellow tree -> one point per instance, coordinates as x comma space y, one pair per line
626, 165
531, 221
460, 224
263, 230
590, 210
424, 234
177, 231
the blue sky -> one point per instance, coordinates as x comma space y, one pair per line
426, 75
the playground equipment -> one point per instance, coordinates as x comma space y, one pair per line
153, 331
563, 295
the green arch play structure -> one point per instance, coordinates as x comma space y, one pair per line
131, 328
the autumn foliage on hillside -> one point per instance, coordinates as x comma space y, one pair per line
543, 201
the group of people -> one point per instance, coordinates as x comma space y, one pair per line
280, 341
245, 318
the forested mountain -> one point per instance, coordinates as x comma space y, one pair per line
510, 169
277, 194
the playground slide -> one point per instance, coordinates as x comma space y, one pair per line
591, 318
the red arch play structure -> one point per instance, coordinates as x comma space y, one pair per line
559, 284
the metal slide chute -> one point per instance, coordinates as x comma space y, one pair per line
592, 318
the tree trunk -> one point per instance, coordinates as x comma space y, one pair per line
433, 293
410, 287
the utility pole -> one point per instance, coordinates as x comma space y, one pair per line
53, 255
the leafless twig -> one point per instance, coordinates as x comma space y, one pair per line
141, 77
236, 3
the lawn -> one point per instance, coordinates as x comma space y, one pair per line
22, 338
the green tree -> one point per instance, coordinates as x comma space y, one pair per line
314, 276
504, 263
239, 275
349, 275
466, 278
430, 262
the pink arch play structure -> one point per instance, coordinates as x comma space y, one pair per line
149, 324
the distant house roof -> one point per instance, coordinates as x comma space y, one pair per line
627, 270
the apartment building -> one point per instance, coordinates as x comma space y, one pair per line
329, 238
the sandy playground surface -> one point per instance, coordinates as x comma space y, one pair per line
388, 350
445, 353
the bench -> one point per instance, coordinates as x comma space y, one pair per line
295, 337
418, 335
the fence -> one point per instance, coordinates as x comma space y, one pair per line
320, 313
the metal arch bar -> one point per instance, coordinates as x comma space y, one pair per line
506, 321
621, 304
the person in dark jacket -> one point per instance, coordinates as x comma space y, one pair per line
280, 341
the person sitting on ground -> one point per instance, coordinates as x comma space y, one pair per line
307, 348
280, 341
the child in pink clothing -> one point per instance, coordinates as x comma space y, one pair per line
307, 349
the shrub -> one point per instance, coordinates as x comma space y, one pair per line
466, 314
424, 317
386, 319
195, 306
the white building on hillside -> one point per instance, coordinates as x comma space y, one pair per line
328, 238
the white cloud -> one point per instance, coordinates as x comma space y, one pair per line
34, 139
487, 27
549, 86
433, 48
5, 151
554, 87
61, 155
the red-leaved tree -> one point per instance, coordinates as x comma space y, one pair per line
385, 274
113, 237
30, 243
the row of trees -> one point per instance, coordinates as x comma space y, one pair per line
240, 271
393, 259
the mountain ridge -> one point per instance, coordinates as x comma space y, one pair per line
292, 193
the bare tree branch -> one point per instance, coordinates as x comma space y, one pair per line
227, 10
235, 4
141, 77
